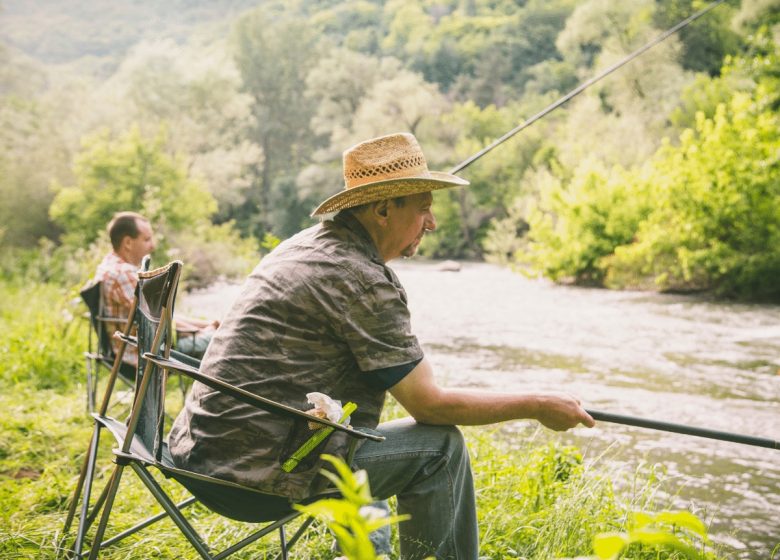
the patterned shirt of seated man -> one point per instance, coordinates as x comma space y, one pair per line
119, 279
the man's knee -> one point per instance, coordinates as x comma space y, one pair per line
452, 448
454, 441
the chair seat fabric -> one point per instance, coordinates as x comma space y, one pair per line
236, 503
222, 497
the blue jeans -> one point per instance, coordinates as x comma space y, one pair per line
194, 344
427, 468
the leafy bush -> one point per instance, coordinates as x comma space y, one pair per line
135, 173
351, 517
51, 263
213, 252
701, 215
680, 533
715, 223
128, 173
578, 222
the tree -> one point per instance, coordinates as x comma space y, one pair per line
274, 54
400, 102
359, 97
464, 215
128, 173
577, 223
195, 90
478, 51
594, 22
707, 41
338, 85
32, 152
621, 119
354, 24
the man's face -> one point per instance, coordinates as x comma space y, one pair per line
140, 246
408, 224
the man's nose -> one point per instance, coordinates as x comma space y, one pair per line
430, 223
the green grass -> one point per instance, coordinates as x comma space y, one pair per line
537, 498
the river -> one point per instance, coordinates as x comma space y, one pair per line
667, 357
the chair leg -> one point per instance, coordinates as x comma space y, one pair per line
176, 516
146, 522
299, 533
84, 483
116, 476
97, 507
283, 542
91, 386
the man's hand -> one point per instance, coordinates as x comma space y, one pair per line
561, 411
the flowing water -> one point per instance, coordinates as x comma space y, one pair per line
674, 358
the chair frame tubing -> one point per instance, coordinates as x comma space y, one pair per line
86, 476
123, 458
139, 396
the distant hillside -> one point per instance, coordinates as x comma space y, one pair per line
100, 32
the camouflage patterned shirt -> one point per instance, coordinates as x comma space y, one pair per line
317, 314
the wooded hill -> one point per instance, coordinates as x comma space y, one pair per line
664, 175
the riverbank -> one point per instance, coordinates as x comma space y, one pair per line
538, 498
669, 357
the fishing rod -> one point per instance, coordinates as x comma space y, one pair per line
585, 85
683, 429
597, 414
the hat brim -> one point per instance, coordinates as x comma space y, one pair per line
390, 188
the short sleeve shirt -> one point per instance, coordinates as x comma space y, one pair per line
318, 314
119, 279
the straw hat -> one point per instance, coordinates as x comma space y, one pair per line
385, 167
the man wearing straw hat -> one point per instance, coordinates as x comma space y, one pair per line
323, 313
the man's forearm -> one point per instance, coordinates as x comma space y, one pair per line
558, 411
428, 403
469, 407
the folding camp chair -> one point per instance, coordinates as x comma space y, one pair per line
100, 351
141, 443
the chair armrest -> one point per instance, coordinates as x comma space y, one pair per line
131, 340
110, 319
185, 359
252, 399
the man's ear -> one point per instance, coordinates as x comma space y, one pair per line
380, 210
124, 245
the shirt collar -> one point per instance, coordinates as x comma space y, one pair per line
351, 223
115, 257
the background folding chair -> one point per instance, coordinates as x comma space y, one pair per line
100, 350
142, 446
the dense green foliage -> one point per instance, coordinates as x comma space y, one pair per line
134, 172
700, 214
127, 173
715, 218
259, 99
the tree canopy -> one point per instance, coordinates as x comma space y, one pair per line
244, 108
